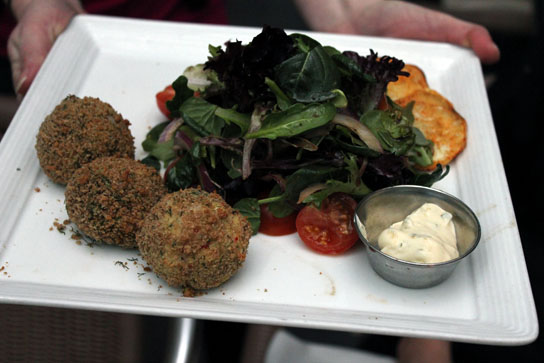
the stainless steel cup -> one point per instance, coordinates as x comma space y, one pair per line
380, 209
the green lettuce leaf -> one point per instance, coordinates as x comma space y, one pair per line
296, 119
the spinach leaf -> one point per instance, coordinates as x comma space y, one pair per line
164, 151
353, 186
203, 113
395, 134
232, 130
296, 119
153, 135
304, 43
426, 179
394, 129
232, 162
337, 186
214, 50
194, 125
309, 77
181, 175
237, 118
347, 141
183, 92
357, 148
302, 178
350, 68
295, 183
249, 207
421, 153
197, 152
331, 50
340, 100
282, 99
282, 207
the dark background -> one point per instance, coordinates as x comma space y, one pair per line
515, 94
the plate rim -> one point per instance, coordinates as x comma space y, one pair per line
90, 29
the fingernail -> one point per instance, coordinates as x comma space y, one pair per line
19, 84
496, 48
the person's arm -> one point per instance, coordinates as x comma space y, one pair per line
39, 23
397, 19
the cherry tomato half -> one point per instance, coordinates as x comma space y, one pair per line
330, 229
165, 95
274, 226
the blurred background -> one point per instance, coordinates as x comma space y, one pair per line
515, 88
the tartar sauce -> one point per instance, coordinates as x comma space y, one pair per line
427, 235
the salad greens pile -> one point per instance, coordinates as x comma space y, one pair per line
287, 115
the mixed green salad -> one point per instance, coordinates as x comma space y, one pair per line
286, 121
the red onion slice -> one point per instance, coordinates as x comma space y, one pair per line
360, 129
305, 193
168, 133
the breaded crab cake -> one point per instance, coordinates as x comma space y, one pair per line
108, 198
78, 131
194, 239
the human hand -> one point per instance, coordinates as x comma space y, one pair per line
416, 350
39, 23
397, 19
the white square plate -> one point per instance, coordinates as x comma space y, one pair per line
125, 62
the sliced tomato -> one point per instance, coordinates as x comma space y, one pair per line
165, 95
330, 229
274, 226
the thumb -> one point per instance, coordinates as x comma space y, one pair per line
39, 25
480, 41
27, 50
443, 27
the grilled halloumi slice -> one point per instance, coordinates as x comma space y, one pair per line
405, 86
436, 118
434, 115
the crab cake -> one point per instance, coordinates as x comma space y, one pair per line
108, 198
78, 131
194, 239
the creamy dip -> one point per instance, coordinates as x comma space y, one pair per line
427, 235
